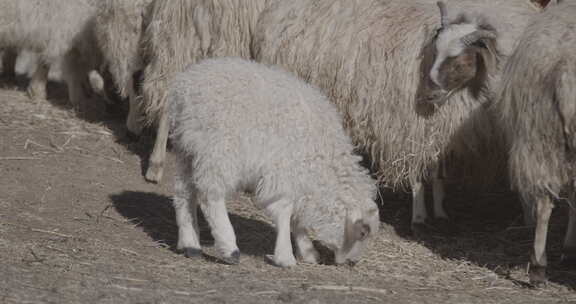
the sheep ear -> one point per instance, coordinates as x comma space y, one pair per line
487, 65
543, 4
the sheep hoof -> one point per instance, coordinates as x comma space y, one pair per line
419, 229
537, 275
444, 226
568, 259
233, 259
190, 252
155, 172
22, 82
133, 137
36, 93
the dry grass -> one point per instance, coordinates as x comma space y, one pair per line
79, 224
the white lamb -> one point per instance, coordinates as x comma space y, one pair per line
242, 126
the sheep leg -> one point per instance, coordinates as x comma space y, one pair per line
569, 250
37, 88
156, 164
134, 122
419, 214
281, 213
305, 247
528, 213
214, 209
186, 209
438, 193
2, 55
539, 261
73, 73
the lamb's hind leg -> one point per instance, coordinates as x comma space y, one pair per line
213, 206
186, 209
281, 213
539, 261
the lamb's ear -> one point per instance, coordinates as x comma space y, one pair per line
361, 230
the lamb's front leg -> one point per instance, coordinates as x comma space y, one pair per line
306, 251
214, 209
281, 213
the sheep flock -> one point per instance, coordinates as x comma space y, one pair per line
312, 106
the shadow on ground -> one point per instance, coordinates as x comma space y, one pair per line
486, 229
155, 214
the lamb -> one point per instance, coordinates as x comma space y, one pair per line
239, 125
179, 33
38, 26
373, 59
538, 116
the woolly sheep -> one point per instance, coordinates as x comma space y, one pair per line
118, 29
26, 67
39, 26
538, 115
181, 32
372, 58
238, 125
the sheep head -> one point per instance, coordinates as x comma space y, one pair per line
360, 225
465, 54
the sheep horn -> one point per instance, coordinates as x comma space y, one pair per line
443, 13
477, 35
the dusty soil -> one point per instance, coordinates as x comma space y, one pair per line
78, 224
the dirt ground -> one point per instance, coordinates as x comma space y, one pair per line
78, 224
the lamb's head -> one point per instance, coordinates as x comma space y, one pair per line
344, 228
465, 55
360, 225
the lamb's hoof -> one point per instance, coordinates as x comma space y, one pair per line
155, 172
311, 259
283, 263
190, 252
233, 259
537, 276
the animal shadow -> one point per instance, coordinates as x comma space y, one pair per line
155, 215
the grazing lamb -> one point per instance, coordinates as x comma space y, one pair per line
372, 58
39, 26
181, 32
537, 106
238, 125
